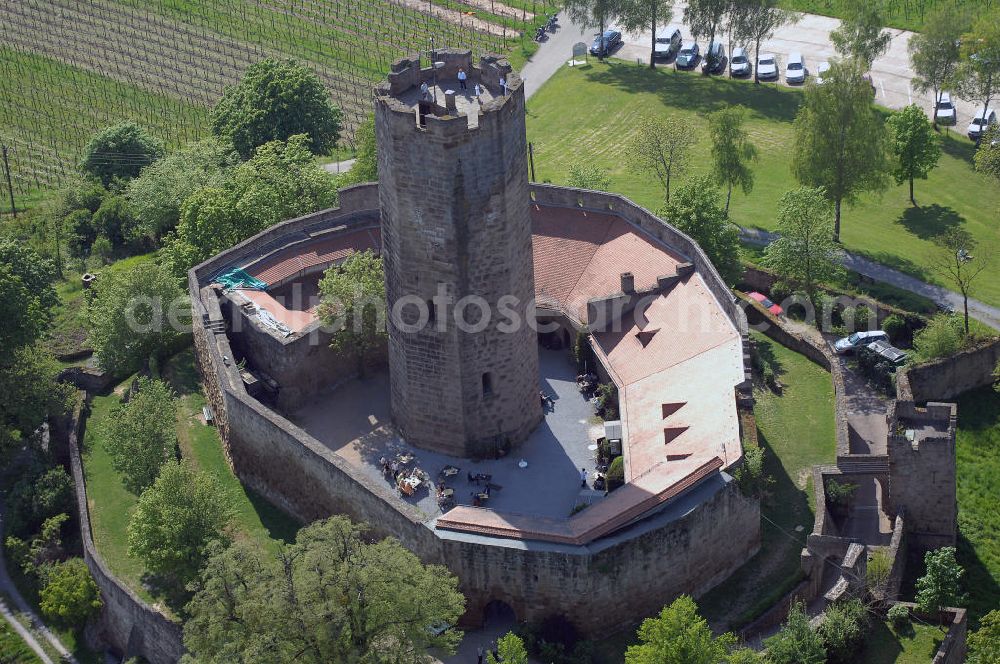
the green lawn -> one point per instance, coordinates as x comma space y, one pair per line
905, 14
796, 430
111, 504
589, 115
13, 649
978, 491
915, 643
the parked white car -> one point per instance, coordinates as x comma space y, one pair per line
688, 56
859, 340
795, 69
981, 123
944, 110
821, 71
767, 67
739, 64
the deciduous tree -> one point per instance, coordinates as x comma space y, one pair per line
639, 15
140, 435
28, 394
860, 35
353, 301
804, 254
695, 210
175, 519
593, 14
136, 312
589, 176
679, 636
333, 596
511, 649
758, 21
365, 168
914, 144
984, 643
840, 140
978, 74
69, 595
935, 53
961, 261
157, 194
26, 296
275, 100
941, 584
843, 631
732, 149
663, 148
119, 153
704, 17
280, 182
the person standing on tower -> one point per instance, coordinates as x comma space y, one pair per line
503, 85
462, 76
425, 92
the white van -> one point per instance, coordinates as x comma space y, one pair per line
859, 340
668, 42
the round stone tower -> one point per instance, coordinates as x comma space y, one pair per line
456, 245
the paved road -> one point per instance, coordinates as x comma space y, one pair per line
339, 166
8, 588
553, 53
981, 311
810, 36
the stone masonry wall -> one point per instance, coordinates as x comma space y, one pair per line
608, 583
127, 623
455, 216
948, 377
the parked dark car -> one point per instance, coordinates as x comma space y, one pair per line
606, 43
715, 59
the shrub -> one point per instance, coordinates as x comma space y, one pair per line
588, 176
942, 337
877, 572
616, 473
897, 329
80, 234
843, 631
103, 249
941, 585
583, 353
750, 476
39, 495
607, 401
899, 615
839, 494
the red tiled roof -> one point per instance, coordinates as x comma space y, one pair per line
288, 262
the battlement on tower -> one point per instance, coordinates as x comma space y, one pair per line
446, 107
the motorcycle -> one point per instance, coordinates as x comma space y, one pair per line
540, 33
553, 23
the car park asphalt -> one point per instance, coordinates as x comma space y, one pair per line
810, 36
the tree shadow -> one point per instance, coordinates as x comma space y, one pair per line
702, 94
181, 373
957, 147
897, 262
930, 221
279, 525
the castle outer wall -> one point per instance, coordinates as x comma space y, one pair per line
696, 541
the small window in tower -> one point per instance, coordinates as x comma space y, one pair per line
487, 384
430, 312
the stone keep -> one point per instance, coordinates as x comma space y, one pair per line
453, 193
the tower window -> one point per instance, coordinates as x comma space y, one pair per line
487, 384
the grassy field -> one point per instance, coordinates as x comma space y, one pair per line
978, 488
795, 434
68, 67
589, 115
904, 14
13, 649
915, 643
111, 504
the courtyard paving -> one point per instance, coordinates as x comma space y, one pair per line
353, 420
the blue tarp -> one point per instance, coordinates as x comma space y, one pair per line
239, 278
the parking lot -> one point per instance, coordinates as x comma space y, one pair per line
810, 36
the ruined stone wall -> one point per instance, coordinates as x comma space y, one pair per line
922, 478
455, 215
948, 377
